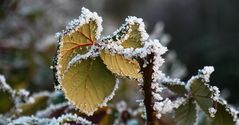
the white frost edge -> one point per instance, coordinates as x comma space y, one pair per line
108, 98
132, 20
232, 111
73, 117
167, 105
202, 73
50, 109
25, 120
197, 113
85, 17
93, 52
129, 21
173, 82
212, 111
3, 84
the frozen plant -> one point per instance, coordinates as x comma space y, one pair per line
87, 65
87, 68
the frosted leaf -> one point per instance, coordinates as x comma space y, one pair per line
122, 34
83, 19
175, 85
203, 74
79, 34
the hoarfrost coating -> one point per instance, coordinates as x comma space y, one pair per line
84, 18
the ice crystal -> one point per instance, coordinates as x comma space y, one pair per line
93, 52
167, 105
212, 111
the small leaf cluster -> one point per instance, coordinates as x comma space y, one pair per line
201, 98
86, 65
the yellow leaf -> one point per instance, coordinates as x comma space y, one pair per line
87, 84
73, 43
120, 65
130, 36
133, 38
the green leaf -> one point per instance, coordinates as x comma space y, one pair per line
203, 119
186, 114
87, 84
223, 115
176, 87
202, 94
121, 66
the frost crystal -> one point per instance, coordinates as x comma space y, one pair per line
71, 117
170, 81
121, 34
212, 112
4, 86
234, 113
85, 18
216, 93
93, 52
206, 72
132, 20
167, 106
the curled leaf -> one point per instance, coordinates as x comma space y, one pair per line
120, 65
131, 35
80, 35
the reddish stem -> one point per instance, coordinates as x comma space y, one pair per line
148, 97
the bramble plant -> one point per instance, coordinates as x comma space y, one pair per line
87, 67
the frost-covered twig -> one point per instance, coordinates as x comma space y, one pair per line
64, 119
151, 60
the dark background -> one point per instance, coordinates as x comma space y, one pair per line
203, 32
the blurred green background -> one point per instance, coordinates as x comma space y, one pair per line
204, 32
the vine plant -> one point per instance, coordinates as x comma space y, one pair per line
87, 67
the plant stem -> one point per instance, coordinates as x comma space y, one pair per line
148, 97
